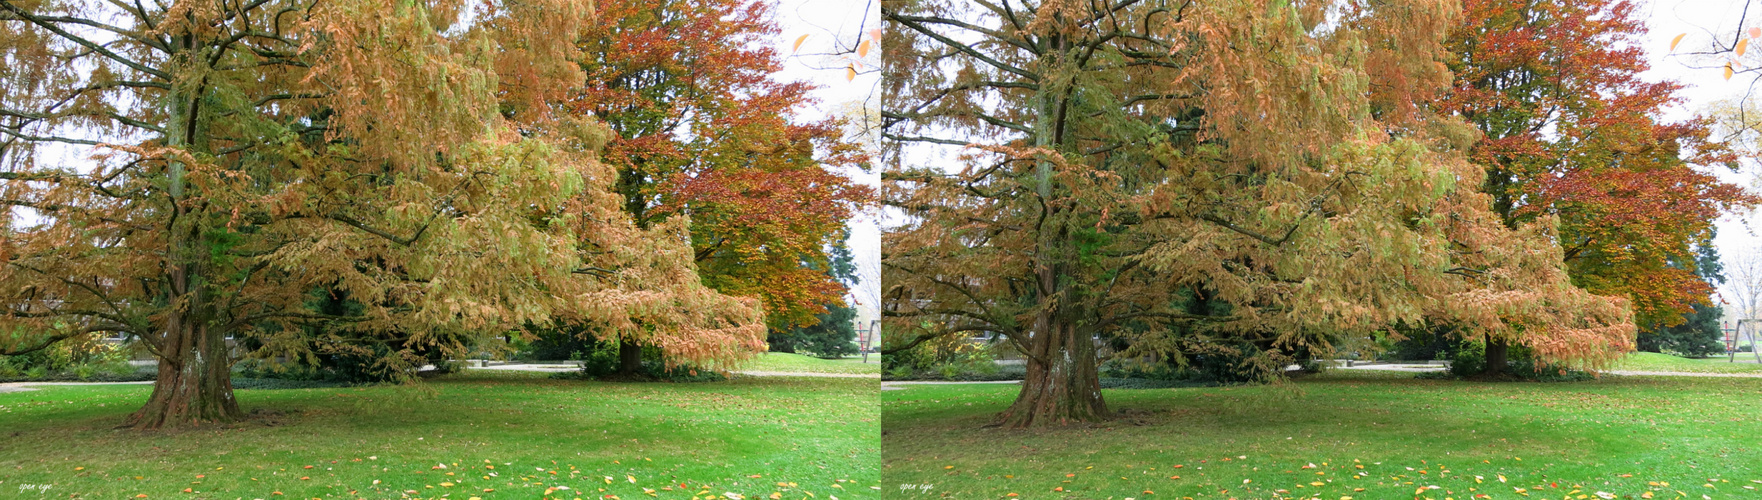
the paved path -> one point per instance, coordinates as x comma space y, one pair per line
1396, 368
528, 367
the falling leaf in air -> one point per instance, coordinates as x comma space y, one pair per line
804, 38
863, 48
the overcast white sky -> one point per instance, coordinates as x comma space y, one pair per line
1699, 19
834, 28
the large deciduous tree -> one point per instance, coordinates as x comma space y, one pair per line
243, 155
702, 128
834, 333
1073, 169
1700, 333
1572, 131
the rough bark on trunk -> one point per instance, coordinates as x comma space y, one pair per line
1062, 385
1498, 360
195, 380
195, 367
629, 358
1063, 389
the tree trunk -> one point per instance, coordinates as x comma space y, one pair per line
195, 366
1062, 385
1065, 388
1498, 360
629, 358
195, 380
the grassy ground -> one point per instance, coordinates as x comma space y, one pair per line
1363, 435
786, 362
478, 434
1648, 361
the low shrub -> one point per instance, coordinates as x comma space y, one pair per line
96, 376
600, 361
898, 373
79, 358
997, 373
962, 352
653, 370
1471, 361
553, 345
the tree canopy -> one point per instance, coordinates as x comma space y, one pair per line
243, 155
1074, 168
1571, 130
702, 127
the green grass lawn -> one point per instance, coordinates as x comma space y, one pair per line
787, 362
1649, 361
1364, 435
477, 434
